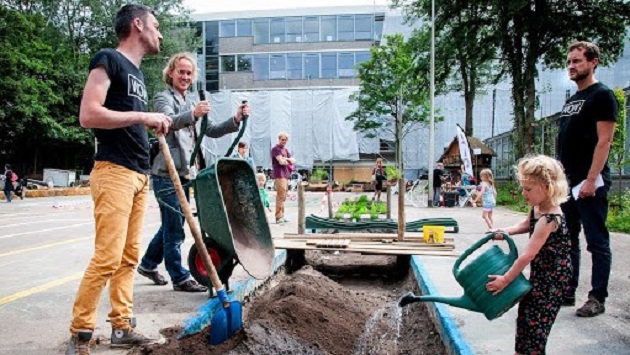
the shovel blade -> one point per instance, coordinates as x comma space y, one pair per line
235, 317
218, 327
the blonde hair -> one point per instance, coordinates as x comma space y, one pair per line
488, 173
283, 134
170, 66
379, 160
261, 176
548, 171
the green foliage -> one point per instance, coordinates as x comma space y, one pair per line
509, 195
318, 175
361, 206
617, 157
619, 217
392, 172
391, 67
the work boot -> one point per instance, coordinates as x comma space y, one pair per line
127, 338
568, 301
591, 308
79, 344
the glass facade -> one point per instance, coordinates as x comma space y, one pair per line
364, 27
334, 65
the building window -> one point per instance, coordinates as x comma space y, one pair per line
311, 29
212, 85
228, 28
277, 30
261, 31
228, 63
212, 63
311, 66
329, 28
329, 65
212, 37
294, 29
361, 57
387, 146
294, 66
378, 27
243, 28
363, 28
277, 67
346, 28
346, 65
261, 67
244, 62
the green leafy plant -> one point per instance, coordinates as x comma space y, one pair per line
392, 172
318, 175
619, 217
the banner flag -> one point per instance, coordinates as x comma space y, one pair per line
464, 151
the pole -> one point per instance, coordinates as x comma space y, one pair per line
432, 116
401, 177
301, 209
494, 100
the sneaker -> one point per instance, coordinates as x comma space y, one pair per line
282, 221
154, 276
591, 308
127, 338
567, 301
79, 344
190, 286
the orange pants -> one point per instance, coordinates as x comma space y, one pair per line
281, 186
120, 197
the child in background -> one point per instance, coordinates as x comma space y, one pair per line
261, 178
544, 187
487, 195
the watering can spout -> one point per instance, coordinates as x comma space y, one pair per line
460, 302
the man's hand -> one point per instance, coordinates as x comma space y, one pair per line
241, 112
587, 189
158, 121
291, 160
202, 108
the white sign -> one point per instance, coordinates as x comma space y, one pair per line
464, 151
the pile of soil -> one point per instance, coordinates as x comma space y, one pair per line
308, 313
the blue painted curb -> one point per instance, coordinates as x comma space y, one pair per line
239, 292
451, 336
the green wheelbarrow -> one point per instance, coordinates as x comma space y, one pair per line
233, 222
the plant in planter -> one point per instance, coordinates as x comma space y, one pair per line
392, 173
318, 176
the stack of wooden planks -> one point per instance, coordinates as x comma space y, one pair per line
367, 243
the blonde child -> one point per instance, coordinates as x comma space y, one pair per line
487, 195
544, 187
261, 178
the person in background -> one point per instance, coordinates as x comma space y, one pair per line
264, 197
8, 183
282, 167
488, 196
438, 176
241, 153
587, 126
114, 104
184, 108
378, 176
547, 252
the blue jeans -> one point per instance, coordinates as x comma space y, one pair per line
166, 243
590, 212
436, 196
8, 195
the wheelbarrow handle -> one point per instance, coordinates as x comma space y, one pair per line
194, 227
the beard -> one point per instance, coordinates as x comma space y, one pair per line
580, 76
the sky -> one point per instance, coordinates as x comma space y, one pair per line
203, 6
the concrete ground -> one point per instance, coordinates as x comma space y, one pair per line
46, 243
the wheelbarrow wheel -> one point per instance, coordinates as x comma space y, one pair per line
198, 270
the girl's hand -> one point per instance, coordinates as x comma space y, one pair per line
497, 231
498, 283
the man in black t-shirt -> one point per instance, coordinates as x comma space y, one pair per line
587, 124
114, 104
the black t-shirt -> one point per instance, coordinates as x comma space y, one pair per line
578, 130
128, 146
437, 177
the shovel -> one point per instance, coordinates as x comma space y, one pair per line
227, 320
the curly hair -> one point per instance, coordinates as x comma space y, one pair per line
548, 171
170, 66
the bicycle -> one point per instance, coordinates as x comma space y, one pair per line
418, 194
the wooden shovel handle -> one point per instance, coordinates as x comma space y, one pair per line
194, 227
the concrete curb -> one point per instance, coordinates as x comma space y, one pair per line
449, 331
240, 291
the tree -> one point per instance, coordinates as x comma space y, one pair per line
617, 155
532, 31
386, 79
466, 47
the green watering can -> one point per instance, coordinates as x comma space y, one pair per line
231, 211
474, 277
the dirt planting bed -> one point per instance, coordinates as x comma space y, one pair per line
342, 304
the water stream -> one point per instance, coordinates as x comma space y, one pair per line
382, 331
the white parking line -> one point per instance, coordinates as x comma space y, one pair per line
44, 230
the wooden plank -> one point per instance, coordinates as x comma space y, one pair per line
354, 249
367, 243
356, 246
361, 236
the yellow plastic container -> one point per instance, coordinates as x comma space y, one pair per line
433, 234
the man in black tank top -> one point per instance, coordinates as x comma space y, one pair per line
587, 124
114, 104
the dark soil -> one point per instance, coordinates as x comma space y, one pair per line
309, 313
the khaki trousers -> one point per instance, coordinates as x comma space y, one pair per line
120, 197
281, 186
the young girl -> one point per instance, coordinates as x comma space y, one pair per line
378, 175
487, 195
544, 187
261, 178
